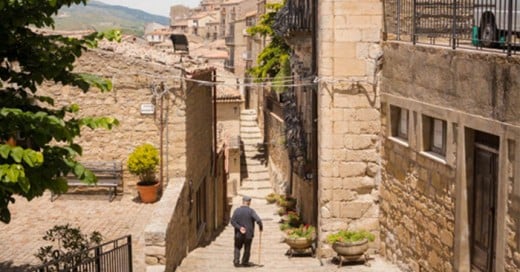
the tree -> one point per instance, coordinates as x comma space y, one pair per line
37, 147
275, 55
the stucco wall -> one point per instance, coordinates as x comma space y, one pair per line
424, 199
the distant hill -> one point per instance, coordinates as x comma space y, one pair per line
100, 16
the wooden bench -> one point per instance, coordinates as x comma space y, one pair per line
109, 174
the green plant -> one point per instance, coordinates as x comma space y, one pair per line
285, 226
68, 241
271, 198
282, 211
143, 162
275, 55
28, 59
348, 236
303, 231
293, 218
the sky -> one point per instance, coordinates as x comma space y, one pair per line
158, 7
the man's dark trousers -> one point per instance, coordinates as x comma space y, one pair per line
241, 240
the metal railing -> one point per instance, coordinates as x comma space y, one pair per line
480, 24
112, 256
296, 15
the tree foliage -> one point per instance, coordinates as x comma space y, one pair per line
37, 147
272, 57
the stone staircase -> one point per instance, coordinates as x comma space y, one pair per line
218, 256
254, 173
268, 251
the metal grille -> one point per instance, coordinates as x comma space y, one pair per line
113, 256
478, 24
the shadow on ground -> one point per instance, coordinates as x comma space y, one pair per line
9, 267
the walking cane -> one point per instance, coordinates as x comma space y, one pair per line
259, 247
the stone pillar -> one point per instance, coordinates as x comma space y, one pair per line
349, 119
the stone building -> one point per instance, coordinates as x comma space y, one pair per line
159, 100
413, 150
450, 132
333, 136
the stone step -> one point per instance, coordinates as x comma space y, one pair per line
248, 117
254, 155
246, 130
252, 141
253, 147
253, 162
253, 185
248, 112
256, 194
254, 169
248, 123
248, 135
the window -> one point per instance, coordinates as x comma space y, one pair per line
434, 135
399, 122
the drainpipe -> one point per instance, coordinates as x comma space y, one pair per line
314, 106
215, 156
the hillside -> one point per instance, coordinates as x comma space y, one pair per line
100, 16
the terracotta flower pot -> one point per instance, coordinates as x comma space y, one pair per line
148, 191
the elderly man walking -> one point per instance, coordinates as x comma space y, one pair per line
243, 220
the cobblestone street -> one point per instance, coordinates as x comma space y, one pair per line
21, 238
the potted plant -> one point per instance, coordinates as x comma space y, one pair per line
300, 239
143, 163
349, 242
271, 198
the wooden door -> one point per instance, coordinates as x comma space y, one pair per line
484, 209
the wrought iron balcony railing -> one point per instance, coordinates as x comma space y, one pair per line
295, 16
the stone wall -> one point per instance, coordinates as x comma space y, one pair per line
426, 200
349, 119
279, 165
191, 212
132, 78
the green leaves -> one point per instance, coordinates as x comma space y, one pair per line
41, 135
19, 155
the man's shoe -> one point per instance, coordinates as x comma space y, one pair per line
248, 264
236, 264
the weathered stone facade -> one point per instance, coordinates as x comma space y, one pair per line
278, 164
348, 111
427, 200
194, 204
132, 80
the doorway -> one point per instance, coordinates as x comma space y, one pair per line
483, 201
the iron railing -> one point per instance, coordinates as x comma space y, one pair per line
113, 256
295, 16
480, 24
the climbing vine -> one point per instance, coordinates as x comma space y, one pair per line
275, 55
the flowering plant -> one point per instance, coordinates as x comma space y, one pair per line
303, 231
348, 236
293, 218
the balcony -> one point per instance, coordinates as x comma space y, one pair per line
295, 16
473, 24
